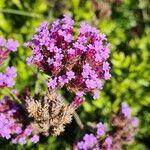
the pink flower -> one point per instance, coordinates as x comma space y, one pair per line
108, 142
100, 129
135, 122
70, 75
22, 140
12, 45
52, 83
63, 56
35, 139
11, 72
28, 131
125, 110
2, 41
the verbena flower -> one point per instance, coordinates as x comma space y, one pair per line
125, 110
123, 131
7, 79
89, 141
35, 139
7, 46
76, 63
26, 120
100, 129
12, 45
13, 123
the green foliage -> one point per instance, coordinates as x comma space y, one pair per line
128, 32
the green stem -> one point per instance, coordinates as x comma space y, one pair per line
13, 95
19, 12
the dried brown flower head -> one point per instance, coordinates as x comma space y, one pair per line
102, 9
123, 131
49, 115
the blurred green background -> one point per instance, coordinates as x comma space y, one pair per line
127, 26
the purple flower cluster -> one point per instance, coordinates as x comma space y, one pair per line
100, 129
7, 46
89, 141
124, 128
11, 126
7, 79
100, 141
135, 122
78, 64
125, 110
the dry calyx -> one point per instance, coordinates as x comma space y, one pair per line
49, 115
